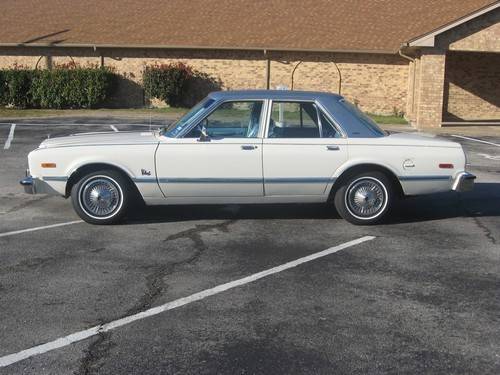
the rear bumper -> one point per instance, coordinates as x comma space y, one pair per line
464, 181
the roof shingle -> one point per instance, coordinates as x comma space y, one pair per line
319, 25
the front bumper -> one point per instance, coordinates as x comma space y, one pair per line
28, 184
464, 181
34, 185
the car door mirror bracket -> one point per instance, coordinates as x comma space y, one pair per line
204, 137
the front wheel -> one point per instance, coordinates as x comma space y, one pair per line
365, 198
101, 197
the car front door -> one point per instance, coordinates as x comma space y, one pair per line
220, 157
302, 150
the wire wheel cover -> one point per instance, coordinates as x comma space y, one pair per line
366, 198
100, 197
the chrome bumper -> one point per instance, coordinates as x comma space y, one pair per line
28, 184
464, 181
35, 185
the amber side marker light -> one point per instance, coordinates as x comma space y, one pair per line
446, 166
48, 165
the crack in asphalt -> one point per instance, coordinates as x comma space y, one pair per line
100, 347
154, 282
487, 232
26, 204
476, 219
35, 263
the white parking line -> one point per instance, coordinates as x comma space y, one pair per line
10, 137
476, 140
39, 228
491, 157
113, 128
81, 335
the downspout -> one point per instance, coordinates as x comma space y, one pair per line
340, 77
414, 78
293, 72
268, 70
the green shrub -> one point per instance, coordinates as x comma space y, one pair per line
198, 86
166, 82
72, 88
62, 87
177, 84
16, 87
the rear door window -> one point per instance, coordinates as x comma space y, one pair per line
294, 120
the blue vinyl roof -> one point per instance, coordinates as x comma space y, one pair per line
274, 95
354, 123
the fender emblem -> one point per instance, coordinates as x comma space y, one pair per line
408, 163
145, 172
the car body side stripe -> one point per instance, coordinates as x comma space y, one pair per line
174, 180
424, 178
55, 178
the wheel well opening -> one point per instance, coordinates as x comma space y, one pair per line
89, 168
355, 170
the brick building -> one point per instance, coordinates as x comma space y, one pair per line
437, 62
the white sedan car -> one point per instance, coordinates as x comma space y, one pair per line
250, 147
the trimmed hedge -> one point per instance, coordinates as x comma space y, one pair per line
16, 87
177, 84
57, 88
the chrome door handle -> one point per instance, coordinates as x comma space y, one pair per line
248, 147
332, 148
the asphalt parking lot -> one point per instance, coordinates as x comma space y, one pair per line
420, 294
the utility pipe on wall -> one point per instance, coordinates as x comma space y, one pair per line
268, 70
411, 59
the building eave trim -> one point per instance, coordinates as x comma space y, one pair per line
185, 47
429, 39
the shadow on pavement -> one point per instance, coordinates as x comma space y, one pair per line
483, 201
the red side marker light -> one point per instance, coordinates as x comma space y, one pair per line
446, 166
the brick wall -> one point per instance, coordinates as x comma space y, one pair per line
378, 83
472, 86
481, 34
429, 95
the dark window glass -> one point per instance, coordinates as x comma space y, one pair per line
231, 120
294, 120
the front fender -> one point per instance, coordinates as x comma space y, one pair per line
77, 164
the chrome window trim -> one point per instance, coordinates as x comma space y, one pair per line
332, 119
320, 124
319, 107
200, 117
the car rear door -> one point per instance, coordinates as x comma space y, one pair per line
302, 150
227, 162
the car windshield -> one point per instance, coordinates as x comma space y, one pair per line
176, 128
363, 118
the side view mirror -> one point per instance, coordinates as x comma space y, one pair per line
204, 137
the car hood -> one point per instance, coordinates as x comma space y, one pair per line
102, 138
418, 139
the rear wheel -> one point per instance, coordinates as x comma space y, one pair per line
101, 197
365, 198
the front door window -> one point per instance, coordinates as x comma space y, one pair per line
231, 120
